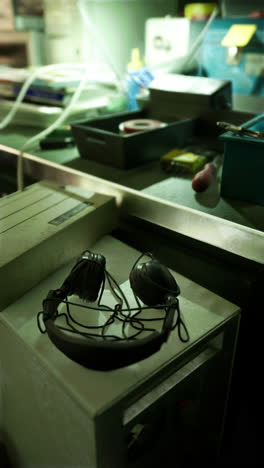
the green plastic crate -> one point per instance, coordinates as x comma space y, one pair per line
243, 167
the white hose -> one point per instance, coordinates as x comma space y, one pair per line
56, 123
53, 67
87, 21
199, 39
8, 118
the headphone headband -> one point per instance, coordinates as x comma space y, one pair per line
86, 279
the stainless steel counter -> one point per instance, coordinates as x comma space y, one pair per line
229, 236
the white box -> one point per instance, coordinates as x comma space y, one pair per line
169, 39
44, 227
58, 414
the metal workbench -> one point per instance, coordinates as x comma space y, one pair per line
149, 179
146, 183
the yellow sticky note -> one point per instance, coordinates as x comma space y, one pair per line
239, 35
187, 158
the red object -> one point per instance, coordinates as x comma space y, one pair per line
200, 17
257, 14
202, 179
185, 403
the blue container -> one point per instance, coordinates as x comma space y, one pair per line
246, 75
243, 168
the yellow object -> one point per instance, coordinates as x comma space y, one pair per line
171, 154
239, 35
184, 161
199, 10
135, 63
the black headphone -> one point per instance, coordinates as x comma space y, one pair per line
151, 282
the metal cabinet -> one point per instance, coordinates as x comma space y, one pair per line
57, 413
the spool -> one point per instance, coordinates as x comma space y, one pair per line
139, 125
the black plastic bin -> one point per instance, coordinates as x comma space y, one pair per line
100, 140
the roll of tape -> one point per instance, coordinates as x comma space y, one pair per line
140, 125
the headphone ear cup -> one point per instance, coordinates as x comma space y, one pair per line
152, 282
86, 277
